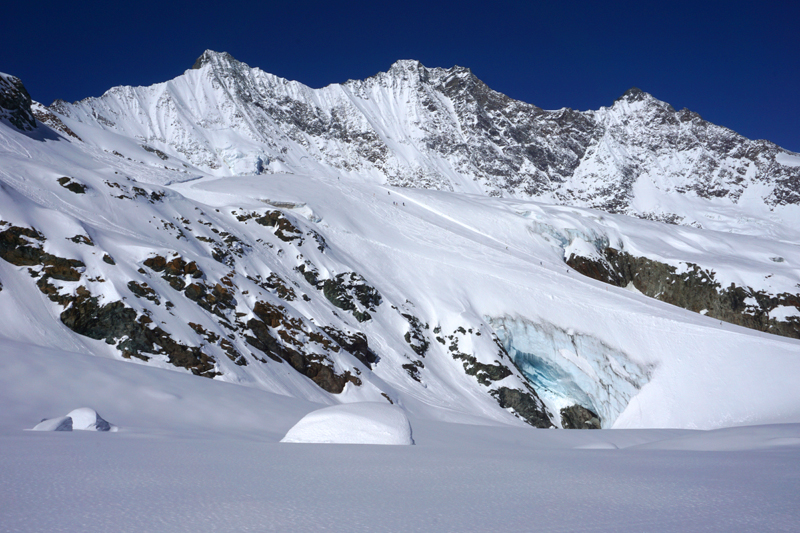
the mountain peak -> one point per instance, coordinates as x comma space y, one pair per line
634, 94
210, 56
406, 64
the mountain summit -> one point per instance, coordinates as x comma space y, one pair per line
445, 129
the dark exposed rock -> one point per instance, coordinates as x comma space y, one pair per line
21, 246
415, 337
484, 373
284, 229
696, 290
354, 343
15, 103
579, 417
413, 369
72, 185
156, 263
155, 151
82, 239
310, 273
275, 283
117, 324
141, 290
526, 404
346, 289
46, 116
317, 367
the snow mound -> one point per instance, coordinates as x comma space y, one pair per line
354, 423
84, 419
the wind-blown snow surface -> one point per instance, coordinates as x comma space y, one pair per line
195, 454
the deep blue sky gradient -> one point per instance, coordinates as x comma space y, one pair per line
735, 63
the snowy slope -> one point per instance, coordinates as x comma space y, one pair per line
127, 232
340, 289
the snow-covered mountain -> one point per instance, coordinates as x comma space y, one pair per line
445, 129
386, 240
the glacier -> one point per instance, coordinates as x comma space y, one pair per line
568, 368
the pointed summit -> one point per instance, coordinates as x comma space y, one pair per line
210, 56
634, 94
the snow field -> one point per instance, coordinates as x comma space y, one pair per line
196, 454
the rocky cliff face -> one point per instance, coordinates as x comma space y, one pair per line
696, 289
445, 129
15, 103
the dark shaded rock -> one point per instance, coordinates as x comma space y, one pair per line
696, 290
413, 369
61, 269
155, 151
484, 373
141, 290
46, 117
72, 185
108, 259
415, 337
82, 239
309, 273
195, 291
526, 404
354, 343
15, 103
156, 263
314, 366
579, 417
116, 323
232, 353
284, 229
275, 283
346, 289
19, 246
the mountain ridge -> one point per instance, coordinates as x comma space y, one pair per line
445, 129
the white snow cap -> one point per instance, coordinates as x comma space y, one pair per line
353, 423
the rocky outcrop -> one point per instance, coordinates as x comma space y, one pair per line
279, 335
15, 103
694, 288
114, 322
525, 403
579, 417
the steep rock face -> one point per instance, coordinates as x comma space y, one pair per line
15, 103
445, 129
696, 289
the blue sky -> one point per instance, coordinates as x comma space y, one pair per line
735, 63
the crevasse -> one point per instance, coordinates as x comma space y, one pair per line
567, 368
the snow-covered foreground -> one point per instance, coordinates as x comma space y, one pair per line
202, 455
